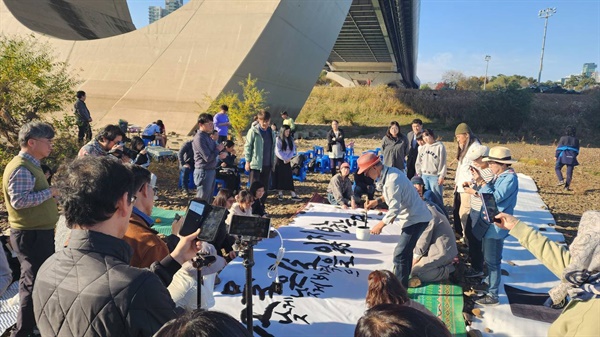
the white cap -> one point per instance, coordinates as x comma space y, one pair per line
476, 151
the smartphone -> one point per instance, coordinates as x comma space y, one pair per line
489, 207
193, 217
204, 216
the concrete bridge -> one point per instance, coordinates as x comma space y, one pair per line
165, 70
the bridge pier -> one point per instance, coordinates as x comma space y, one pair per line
349, 79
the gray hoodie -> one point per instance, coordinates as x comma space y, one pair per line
431, 160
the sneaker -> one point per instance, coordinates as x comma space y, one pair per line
473, 273
280, 197
296, 198
560, 183
567, 188
488, 300
414, 282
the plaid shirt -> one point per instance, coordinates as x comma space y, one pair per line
93, 148
20, 187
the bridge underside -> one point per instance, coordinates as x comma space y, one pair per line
377, 44
165, 70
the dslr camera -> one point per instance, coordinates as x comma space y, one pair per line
126, 151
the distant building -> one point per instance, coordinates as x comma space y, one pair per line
154, 13
589, 69
157, 12
172, 5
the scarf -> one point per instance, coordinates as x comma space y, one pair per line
581, 278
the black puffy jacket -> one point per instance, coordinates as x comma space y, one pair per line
89, 289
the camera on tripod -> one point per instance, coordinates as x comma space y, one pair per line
203, 260
250, 228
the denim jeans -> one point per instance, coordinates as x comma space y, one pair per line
492, 254
403, 253
185, 171
475, 250
431, 183
205, 180
359, 191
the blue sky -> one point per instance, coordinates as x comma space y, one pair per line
457, 34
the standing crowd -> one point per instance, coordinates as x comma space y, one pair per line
117, 277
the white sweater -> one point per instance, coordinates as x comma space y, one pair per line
431, 160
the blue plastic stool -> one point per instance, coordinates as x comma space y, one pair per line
349, 151
301, 175
191, 184
319, 152
353, 162
242, 165
310, 154
324, 166
219, 184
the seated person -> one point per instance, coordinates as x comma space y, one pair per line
427, 195
147, 246
257, 190
143, 157
227, 169
578, 268
363, 185
224, 242
393, 320
204, 323
385, 288
186, 164
214, 135
434, 254
184, 287
339, 190
48, 173
5, 272
91, 277
152, 132
163, 131
241, 206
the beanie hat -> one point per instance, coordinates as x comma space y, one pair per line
462, 128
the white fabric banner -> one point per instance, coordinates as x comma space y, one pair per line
324, 273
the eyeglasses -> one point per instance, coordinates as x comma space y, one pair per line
45, 140
154, 189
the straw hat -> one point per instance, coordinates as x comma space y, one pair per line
500, 154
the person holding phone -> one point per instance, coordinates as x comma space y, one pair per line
111, 297
476, 154
577, 267
147, 246
504, 186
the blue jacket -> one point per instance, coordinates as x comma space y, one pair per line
567, 150
505, 188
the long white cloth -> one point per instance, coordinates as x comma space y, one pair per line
324, 273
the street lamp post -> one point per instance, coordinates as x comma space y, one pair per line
487, 63
545, 14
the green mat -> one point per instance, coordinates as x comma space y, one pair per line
446, 302
166, 217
